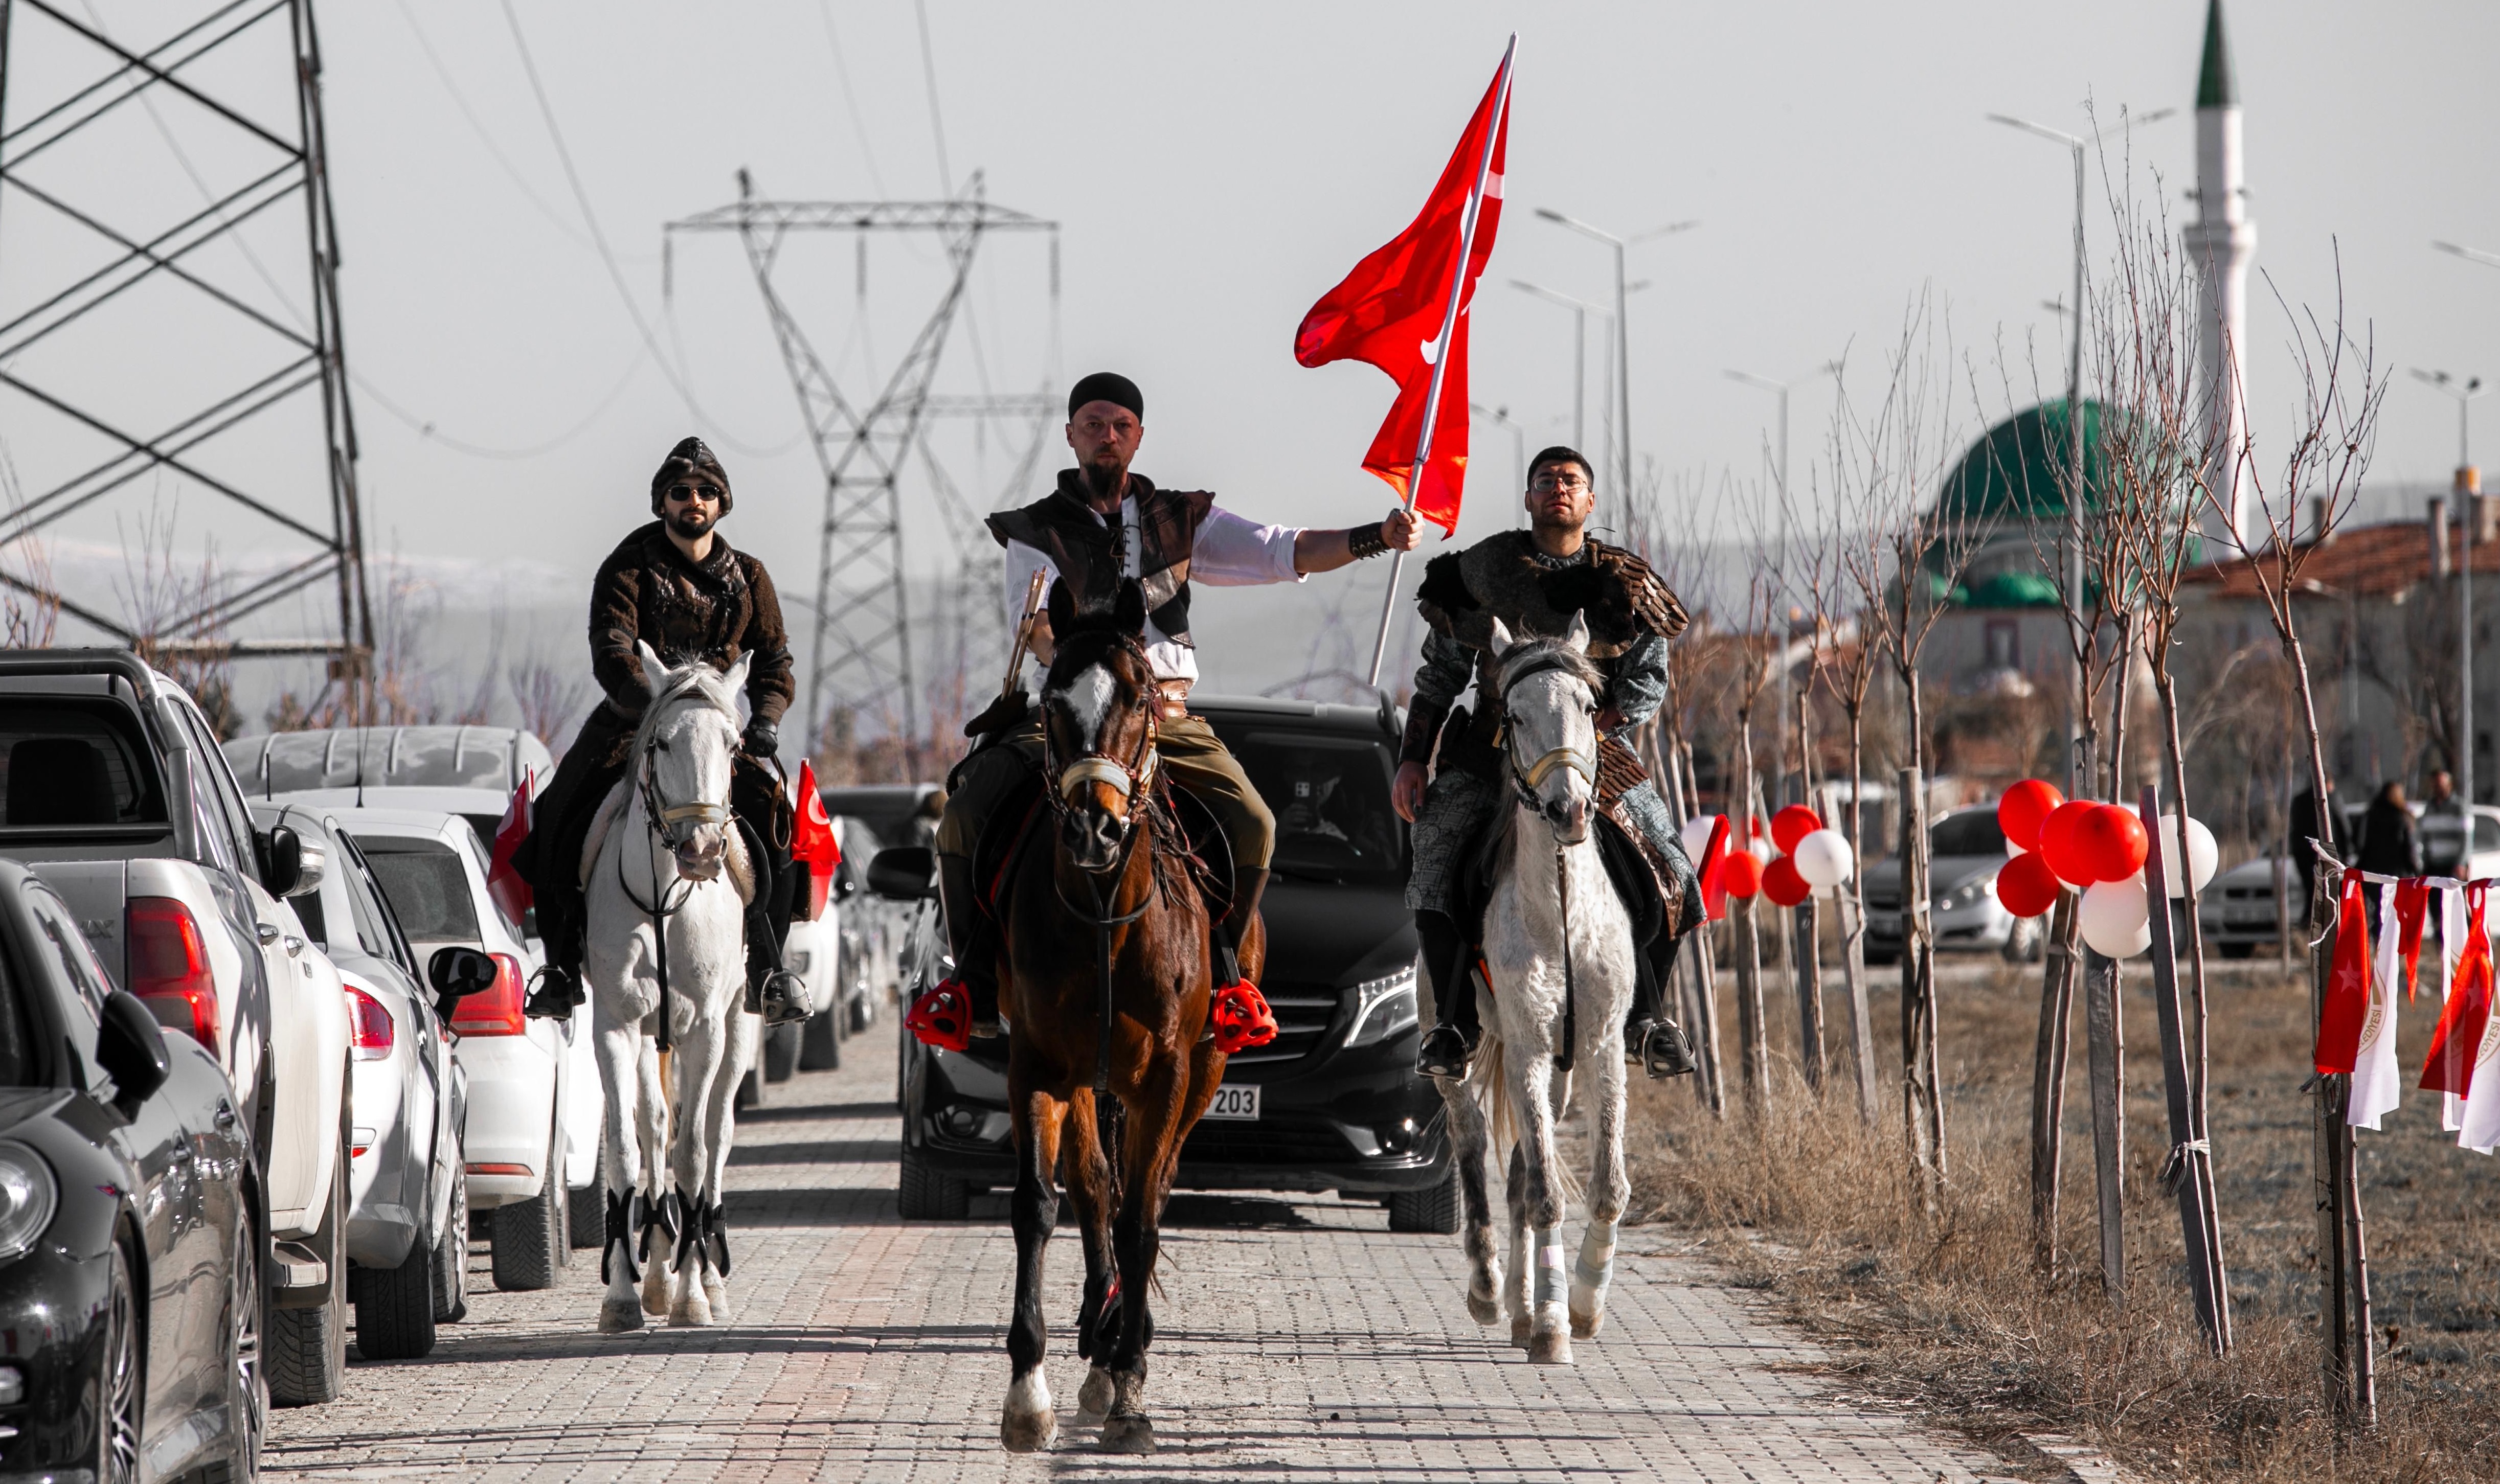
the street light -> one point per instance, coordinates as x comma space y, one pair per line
1518, 451
2460, 499
1781, 389
2470, 254
1581, 309
1623, 334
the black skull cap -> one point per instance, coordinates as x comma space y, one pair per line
1107, 386
691, 456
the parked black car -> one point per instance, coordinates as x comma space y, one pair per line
131, 1232
1333, 1102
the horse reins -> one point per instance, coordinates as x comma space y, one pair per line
1132, 783
1525, 783
662, 821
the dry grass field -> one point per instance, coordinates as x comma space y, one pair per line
1952, 1316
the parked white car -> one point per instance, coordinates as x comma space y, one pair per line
408, 1214
529, 1148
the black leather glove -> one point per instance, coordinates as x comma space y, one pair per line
763, 739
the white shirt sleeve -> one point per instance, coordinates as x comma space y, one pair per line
1022, 561
1234, 552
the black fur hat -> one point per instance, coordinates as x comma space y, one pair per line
691, 456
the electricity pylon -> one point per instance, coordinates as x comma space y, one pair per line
134, 350
861, 659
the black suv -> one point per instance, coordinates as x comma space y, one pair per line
1333, 1102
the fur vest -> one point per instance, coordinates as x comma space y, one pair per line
646, 591
1089, 552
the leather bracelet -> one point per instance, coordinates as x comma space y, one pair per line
1366, 542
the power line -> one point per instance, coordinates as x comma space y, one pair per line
937, 120
460, 100
850, 95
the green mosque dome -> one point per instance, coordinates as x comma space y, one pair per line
2017, 470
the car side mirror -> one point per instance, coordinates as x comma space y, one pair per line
903, 873
130, 1047
290, 865
457, 972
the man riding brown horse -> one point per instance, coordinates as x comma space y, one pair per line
675, 585
1102, 526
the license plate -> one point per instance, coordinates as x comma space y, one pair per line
1233, 1100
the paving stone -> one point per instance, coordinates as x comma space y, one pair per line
1297, 1338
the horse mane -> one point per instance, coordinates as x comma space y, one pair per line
1536, 654
695, 678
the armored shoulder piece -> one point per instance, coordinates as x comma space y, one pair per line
1653, 605
1500, 578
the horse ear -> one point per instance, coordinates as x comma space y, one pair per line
1501, 640
1129, 612
654, 673
736, 677
1577, 636
1061, 605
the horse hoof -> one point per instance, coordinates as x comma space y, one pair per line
716, 1295
620, 1316
693, 1312
655, 1296
1128, 1433
1519, 1333
1026, 1423
1094, 1398
1550, 1348
1484, 1311
1585, 1326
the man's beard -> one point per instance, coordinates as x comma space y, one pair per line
1104, 481
689, 525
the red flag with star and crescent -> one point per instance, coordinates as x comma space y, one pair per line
1391, 312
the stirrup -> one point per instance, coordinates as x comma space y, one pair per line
1240, 1017
1665, 1053
943, 1017
554, 992
1434, 1059
782, 999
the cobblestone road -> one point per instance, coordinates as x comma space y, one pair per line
1298, 1339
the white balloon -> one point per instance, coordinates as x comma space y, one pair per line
1764, 850
2117, 918
2203, 856
1696, 834
1824, 858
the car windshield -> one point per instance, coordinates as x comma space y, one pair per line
62, 762
1971, 832
426, 888
392, 756
1330, 795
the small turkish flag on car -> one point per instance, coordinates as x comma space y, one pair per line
509, 890
813, 844
1403, 309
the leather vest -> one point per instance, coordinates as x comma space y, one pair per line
1090, 553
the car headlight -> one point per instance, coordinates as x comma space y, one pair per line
28, 1197
1383, 1006
1964, 894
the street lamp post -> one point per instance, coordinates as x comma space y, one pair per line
1580, 309
1623, 451
2461, 502
1780, 474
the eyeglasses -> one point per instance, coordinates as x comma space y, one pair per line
690, 493
1547, 484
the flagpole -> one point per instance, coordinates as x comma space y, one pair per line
1449, 329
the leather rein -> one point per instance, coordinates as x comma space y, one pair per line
1524, 783
668, 825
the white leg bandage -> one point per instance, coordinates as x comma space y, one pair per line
1549, 1265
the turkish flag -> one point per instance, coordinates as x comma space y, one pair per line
2347, 987
2457, 1042
503, 882
1391, 309
1713, 870
812, 843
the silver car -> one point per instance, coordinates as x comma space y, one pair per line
1966, 850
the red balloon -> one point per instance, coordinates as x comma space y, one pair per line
1742, 875
2023, 809
1791, 824
2057, 848
1782, 884
2026, 886
2112, 842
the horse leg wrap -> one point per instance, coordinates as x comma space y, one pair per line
659, 1215
620, 1237
1595, 1272
716, 1228
691, 1246
1548, 1266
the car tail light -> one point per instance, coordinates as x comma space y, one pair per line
496, 1010
169, 968
369, 1025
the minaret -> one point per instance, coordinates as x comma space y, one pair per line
2218, 245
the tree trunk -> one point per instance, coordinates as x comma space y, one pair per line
2188, 1169
1852, 921
1751, 1045
1694, 1000
1919, 1108
1805, 942
2049, 1082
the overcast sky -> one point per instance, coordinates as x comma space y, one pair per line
1215, 170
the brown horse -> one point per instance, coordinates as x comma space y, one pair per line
1103, 921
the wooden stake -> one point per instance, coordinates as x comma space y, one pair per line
2189, 1171
2049, 1082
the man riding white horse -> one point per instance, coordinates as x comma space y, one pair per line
1102, 526
1532, 581
675, 585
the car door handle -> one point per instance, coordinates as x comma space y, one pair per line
295, 945
269, 933
225, 1113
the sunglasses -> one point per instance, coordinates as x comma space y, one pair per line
690, 493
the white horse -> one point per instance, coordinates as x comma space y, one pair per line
1551, 897
665, 863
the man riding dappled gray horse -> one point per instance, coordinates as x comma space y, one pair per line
1535, 582
675, 585
1102, 527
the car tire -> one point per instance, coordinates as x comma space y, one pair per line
451, 1257
863, 1013
750, 1092
1434, 1208
781, 1050
1876, 960
395, 1307
2238, 950
247, 1389
529, 1234
585, 1223
820, 1042
119, 1378
306, 1348
928, 1196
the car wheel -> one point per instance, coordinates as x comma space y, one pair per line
750, 1092
585, 1221
1434, 1208
395, 1307
307, 1347
451, 1257
1882, 958
928, 1196
862, 1011
820, 1042
781, 1052
2238, 950
117, 1380
529, 1234
247, 1381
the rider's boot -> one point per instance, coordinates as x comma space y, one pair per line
1240, 1017
965, 1004
1445, 1053
773, 991
556, 988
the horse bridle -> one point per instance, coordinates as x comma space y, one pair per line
672, 825
1526, 781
